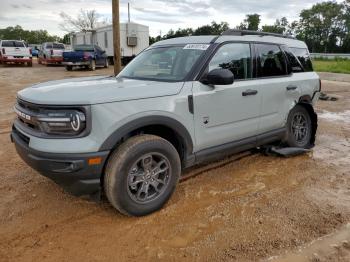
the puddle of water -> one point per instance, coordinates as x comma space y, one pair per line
338, 116
321, 247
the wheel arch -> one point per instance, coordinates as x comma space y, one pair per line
306, 102
163, 126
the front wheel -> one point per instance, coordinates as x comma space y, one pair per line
141, 175
299, 128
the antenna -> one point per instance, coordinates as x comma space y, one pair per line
129, 12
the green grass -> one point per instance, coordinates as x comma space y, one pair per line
332, 66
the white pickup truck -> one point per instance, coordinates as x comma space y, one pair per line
51, 53
15, 51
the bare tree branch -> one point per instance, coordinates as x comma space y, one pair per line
86, 20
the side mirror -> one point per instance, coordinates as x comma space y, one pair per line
219, 76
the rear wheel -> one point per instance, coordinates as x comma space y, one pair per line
30, 64
69, 68
141, 175
299, 128
92, 65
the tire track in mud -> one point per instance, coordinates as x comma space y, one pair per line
48, 227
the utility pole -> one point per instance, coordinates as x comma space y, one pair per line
116, 37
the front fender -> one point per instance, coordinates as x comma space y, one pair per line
144, 121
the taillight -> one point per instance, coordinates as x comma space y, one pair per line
86, 55
3, 51
51, 51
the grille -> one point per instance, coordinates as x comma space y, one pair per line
30, 110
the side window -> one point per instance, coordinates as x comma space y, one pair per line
8, 44
294, 64
236, 57
304, 57
270, 61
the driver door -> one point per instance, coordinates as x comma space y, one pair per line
227, 113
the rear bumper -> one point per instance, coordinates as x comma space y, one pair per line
70, 171
5, 59
54, 60
85, 63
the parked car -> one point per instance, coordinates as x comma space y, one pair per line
88, 56
15, 52
179, 103
51, 53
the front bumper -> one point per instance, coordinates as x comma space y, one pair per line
79, 174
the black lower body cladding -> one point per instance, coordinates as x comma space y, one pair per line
71, 171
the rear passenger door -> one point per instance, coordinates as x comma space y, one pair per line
278, 90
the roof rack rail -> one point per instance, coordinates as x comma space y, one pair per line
237, 32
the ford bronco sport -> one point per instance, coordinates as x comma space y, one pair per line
180, 102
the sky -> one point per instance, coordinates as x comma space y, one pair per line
159, 15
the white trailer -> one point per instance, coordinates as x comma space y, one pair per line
134, 38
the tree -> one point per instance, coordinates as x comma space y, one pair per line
86, 20
281, 26
32, 37
345, 41
251, 22
322, 26
213, 29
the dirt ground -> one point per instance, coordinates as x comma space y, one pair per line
255, 208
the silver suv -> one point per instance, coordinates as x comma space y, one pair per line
181, 102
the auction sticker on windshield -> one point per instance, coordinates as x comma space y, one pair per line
197, 46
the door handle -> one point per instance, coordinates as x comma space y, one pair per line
250, 92
291, 88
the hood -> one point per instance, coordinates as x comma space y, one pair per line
96, 90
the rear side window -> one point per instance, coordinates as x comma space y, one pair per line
294, 63
270, 61
236, 57
304, 57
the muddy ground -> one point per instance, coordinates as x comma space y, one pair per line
251, 209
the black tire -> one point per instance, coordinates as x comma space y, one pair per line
123, 167
92, 65
69, 68
30, 64
106, 63
299, 128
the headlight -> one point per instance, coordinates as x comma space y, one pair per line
67, 122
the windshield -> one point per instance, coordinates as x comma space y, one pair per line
164, 63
